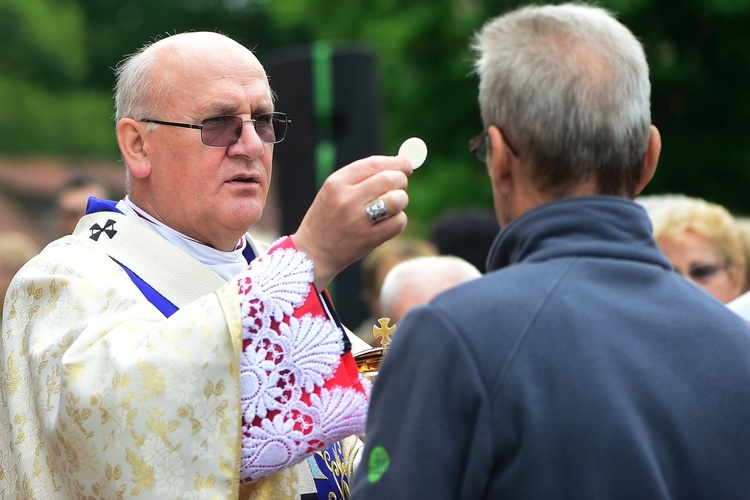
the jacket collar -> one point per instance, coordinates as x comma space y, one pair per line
586, 226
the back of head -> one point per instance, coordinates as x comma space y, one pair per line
416, 281
381, 260
569, 85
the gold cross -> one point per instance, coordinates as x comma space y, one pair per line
384, 332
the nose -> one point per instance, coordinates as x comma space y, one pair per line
249, 143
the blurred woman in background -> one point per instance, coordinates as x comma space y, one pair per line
702, 242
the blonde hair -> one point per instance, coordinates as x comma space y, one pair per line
743, 226
674, 214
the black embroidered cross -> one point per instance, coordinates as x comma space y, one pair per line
97, 230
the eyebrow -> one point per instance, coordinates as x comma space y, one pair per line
222, 109
231, 109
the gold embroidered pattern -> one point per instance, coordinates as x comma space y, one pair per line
103, 405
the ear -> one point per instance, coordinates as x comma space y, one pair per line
649, 162
133, 147
498, 156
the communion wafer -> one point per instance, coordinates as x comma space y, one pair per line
415, 150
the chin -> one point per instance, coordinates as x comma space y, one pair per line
245, 221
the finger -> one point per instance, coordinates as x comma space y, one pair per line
388, 205
390, 227
358, 171
382, 182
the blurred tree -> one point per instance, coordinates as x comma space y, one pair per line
700, 59
698, 55
43, 68
57, 60
427, 88
42, 41
120, 27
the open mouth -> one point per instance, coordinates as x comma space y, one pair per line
245, 179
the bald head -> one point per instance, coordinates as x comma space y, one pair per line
417, 281
143, 86
191, 52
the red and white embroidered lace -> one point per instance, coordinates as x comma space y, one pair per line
300, 391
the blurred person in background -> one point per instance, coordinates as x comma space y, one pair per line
741, 305
743, 226
580, 365
416, 281
16, 249
162, 352
375, 266
72, 197
702, 242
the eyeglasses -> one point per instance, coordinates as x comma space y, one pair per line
702, 272
225, 130
478, 145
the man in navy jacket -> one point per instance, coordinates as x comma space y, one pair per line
581, 366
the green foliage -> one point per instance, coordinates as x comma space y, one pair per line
67, 123
427, 87
47, 109
43, 41
57, 58
445, 186
699, 54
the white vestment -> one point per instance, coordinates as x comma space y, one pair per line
104, 397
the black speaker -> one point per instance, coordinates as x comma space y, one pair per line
331, 94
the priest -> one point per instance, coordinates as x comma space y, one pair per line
161, 352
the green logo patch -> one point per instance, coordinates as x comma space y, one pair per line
377, 464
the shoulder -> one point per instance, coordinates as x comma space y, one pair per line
507, 293
73, 255
71, 272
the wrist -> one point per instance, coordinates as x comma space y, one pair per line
322, 272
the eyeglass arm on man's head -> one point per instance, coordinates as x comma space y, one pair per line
173, 124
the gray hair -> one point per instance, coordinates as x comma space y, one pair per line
136, 94
423, 278
569, 85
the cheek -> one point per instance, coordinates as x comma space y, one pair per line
197, 174
724, 287
736, 283
267, 162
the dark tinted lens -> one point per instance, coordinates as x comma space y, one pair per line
221, 130
264, 126
271, 127
704, 271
